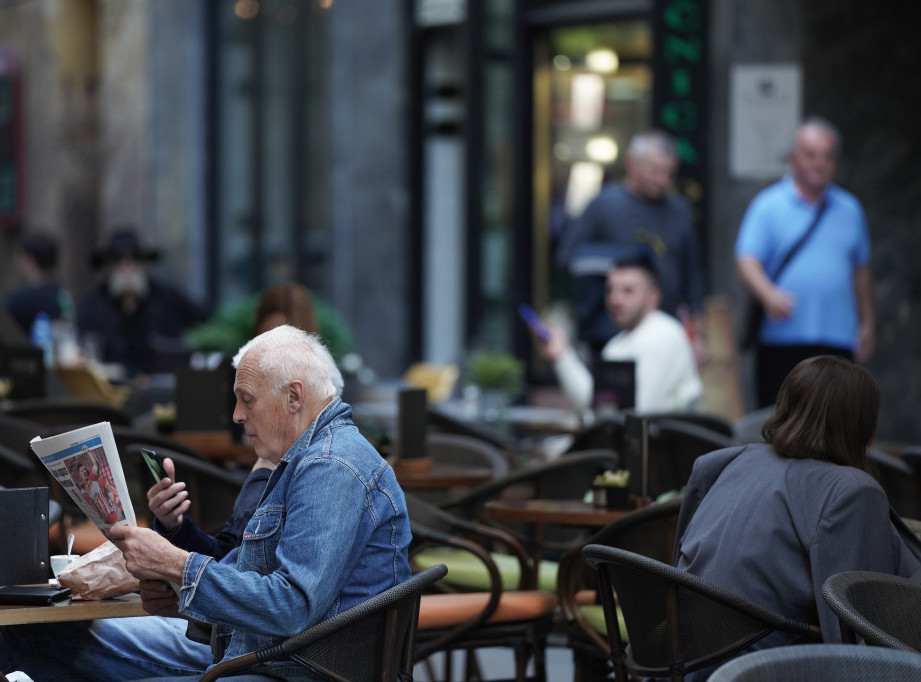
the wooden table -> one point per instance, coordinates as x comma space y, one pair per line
439, 475
73, 609
562, 512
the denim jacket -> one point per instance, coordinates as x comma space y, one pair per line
330, 531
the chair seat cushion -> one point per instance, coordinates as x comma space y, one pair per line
447, 610
466, 571
594, 616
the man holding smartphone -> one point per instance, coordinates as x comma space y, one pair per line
666, 372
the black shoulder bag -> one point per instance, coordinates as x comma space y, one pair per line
754, 311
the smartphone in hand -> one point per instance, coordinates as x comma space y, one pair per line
534, 321
155, 464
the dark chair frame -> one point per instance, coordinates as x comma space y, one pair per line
548, 480
881, 609
678, 643
821, 663
383, 626
649, 531
433, 527
69, 412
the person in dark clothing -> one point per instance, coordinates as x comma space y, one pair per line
41, 291
179, 638
132, 314
169, 502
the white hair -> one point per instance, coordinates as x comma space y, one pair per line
286, 353
643, 144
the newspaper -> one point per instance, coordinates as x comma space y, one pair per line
85, 462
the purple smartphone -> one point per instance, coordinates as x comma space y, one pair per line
534, 321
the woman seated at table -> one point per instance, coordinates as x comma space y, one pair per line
773, 520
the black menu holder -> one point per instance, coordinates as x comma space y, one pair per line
205, 399
636, 454
615, 385
25, 367
412, 423
24, 536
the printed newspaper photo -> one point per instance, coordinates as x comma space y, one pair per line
85, 462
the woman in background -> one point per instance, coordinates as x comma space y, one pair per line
286, 303
772, 521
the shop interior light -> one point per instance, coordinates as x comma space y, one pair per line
562, 63
602, 61
602, 149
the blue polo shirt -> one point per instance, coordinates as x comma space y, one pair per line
820, 275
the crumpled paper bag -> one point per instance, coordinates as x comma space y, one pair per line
99, 574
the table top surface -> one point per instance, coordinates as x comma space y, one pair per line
563, 512
72, 609
442, 475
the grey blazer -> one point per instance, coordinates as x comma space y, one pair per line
773, 529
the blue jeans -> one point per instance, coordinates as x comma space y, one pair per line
108, 650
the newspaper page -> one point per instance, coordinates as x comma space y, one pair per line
85, 462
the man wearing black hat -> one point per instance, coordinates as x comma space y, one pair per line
134, 316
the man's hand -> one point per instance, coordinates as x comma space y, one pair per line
159, 599
167, 500
556, 345
778, 304
148, 555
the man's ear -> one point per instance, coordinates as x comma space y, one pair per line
294, 395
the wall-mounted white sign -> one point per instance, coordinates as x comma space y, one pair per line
765, 109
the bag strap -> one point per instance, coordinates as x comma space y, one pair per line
820, 209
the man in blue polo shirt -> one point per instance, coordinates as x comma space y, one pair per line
822, 301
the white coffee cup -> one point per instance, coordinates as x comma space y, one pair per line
60, 561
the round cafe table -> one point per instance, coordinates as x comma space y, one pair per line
563, 512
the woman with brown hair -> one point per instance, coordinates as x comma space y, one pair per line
286, 303
771, 521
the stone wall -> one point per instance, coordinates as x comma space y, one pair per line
861, 63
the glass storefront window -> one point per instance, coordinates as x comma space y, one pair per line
592, 92
271, 208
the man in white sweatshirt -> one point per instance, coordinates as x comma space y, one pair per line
666, 372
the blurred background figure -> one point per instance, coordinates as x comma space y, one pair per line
822, 302
133, 316
642, 209
40, 290
286, 303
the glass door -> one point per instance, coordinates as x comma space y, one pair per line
592, 87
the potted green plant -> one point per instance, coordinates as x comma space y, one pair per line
498, 375
609, 489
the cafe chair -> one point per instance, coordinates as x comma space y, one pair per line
567, 478
17, 468
881, 609
747, 428
439, 421
465, 450
821, 663
900, 477
373, 641
604, 434
484, 602
676, 622
66, 412
649, 531
674, 446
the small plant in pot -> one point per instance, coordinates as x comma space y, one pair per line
498, 375
609, 489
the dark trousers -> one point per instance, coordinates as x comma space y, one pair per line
773, 363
